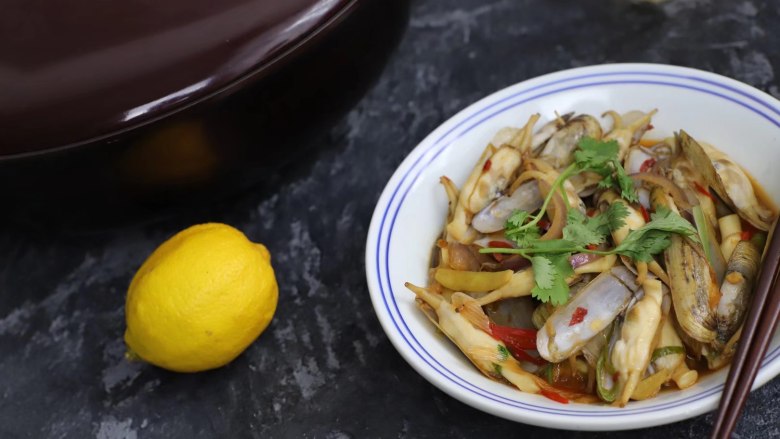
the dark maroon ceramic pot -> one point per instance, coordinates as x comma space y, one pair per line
103, 101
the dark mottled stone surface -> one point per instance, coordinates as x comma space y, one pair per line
324, 367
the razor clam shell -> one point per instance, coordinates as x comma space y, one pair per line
493, 217
748, 207
692, 282
559, 150
605, 297
735, 297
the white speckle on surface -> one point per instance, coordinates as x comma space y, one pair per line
305, 337
144, 423
359, 352
371, 337
119, 369
306, 255
337, 435
675, 7
58, 328
122, 372
747, 8
346, 221
460, 19
111, 428
753, 67
308, 377
266, 212
328, 337
284, 334
16, 321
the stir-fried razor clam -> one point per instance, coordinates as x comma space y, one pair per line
692, 281
728, 180
558, 151
526, 196
631, 354
522, 282
643, 158
603, 299
548, 130
489, 177
628, 128
493, 217
670, 357
633, 221
466, 324
591, 265
736, 289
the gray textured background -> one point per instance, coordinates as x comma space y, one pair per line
324, 368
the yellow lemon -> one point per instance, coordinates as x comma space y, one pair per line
200, 299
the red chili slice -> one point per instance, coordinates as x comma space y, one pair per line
644, 213
592, 247
703, 190
591, 212
554, 396
514, 338
578, 316
747, 230
487, 165
544, 224
646, 165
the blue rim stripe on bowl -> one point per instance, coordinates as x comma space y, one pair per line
441, 369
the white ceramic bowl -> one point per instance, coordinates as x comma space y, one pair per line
742, 121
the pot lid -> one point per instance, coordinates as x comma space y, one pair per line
73, 71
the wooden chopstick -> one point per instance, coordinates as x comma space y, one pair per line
757, 332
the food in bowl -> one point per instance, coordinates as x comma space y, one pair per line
594, 265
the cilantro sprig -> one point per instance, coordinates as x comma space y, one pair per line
592, 156
550, 258
586, 231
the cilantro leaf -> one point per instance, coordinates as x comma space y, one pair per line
664, 219
602, 158
616, 215
544, 271
606, 181
654, 237
643, 245
516, 219
595, 154
625, 183
517, 231
584, 231
550, 274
